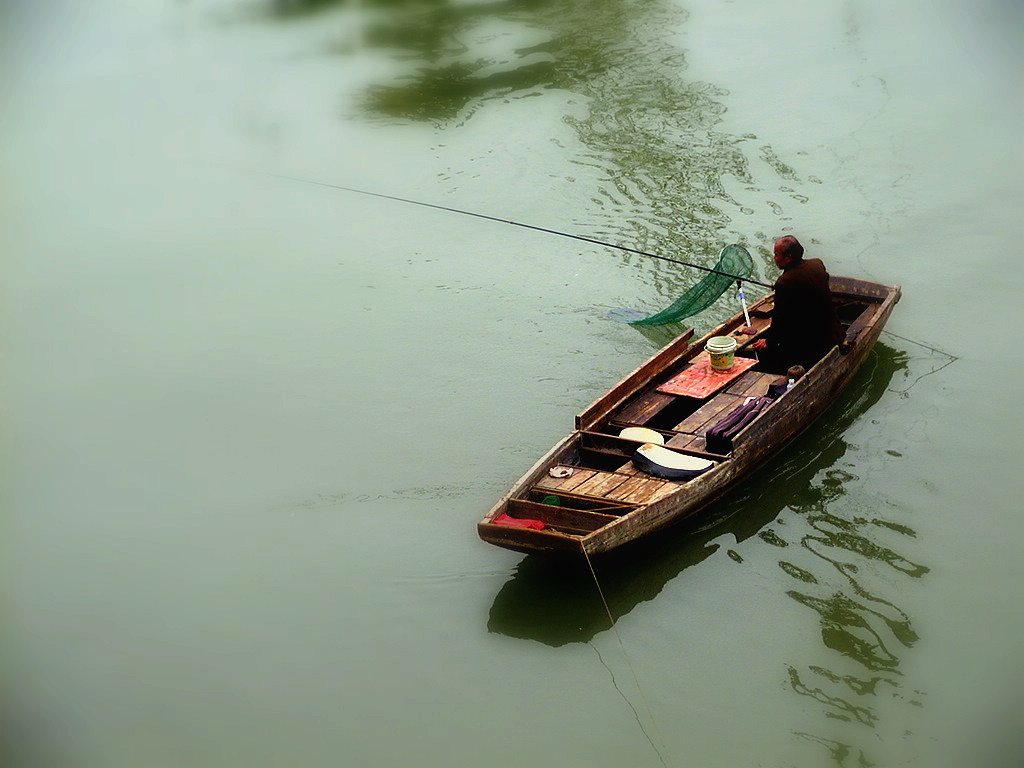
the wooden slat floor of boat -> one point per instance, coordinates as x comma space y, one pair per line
645, 408
717, 406
629, 469
753, 384
614, 486
583, 482
687, 440
642, 490
565, 484
601, 484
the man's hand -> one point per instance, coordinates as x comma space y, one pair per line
759, 344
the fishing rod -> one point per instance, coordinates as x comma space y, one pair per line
519, 224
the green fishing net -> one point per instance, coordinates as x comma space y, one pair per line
734, 262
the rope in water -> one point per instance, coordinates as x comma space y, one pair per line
952, 358
629, 663
582, 238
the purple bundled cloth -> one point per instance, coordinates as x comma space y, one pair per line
719, 437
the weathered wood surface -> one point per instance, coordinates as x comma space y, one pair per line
679, 501
632, 488
642, 489
575, 519
580, 475
691, 443
601, 484
529, 541
634, 381
711, 411
864, 320
644, 408
629, 469
851, 286
754, 384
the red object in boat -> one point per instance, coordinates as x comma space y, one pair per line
518, 522
700, 380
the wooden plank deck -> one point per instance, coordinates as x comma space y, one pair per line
711, 411
628, 487
687, 441
754, 384
642, 489
600, 484
565, 484
644, 408
664, 359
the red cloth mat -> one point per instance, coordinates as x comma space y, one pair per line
518, 522
700, 380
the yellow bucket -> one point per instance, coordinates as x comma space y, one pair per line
721, 350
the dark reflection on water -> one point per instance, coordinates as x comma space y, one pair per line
286, 8
648, 132
613, 71
449, 68
555, 602
851, 581
848, 574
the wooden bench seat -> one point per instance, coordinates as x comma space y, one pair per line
575, 521
711, 411
616, 486
644, 408
689, 442
754, 384
565, 484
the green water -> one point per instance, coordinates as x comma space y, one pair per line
249, 423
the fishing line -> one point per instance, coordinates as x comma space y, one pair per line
625, 698
952, 358
581, 238
629, 663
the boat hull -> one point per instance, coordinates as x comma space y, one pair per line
608, 502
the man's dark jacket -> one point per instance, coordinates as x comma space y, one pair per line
804, 323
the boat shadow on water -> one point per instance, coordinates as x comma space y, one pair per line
555, 601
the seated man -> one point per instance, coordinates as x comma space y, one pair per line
804, 322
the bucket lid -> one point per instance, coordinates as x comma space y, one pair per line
721, 344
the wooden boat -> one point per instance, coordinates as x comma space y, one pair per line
589, 494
